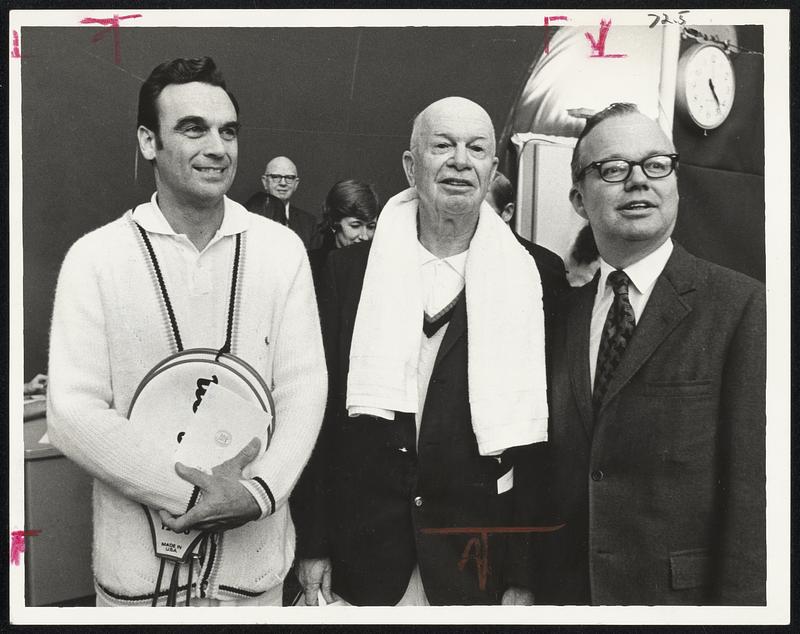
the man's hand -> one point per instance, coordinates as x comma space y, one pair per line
517, 596
224, 502
315, 574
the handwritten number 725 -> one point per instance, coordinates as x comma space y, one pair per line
666, 19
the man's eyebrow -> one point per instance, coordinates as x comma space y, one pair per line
183, 121
627, 157
195, 120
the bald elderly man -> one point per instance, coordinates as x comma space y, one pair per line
280, 181
658, 380
428, 450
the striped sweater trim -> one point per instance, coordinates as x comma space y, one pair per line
259, 496
147, 598
267, 490
430, 325
132, 598
237, 301
169, 333
239, 591
193, 498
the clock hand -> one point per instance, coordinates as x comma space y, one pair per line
713, 92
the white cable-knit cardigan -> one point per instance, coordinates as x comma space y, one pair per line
109, 328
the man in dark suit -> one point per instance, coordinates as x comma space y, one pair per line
280, 181
388, 507
658, 412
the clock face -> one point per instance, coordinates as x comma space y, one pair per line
709, 86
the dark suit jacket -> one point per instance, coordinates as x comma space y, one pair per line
301, 222
664, 492
367, 495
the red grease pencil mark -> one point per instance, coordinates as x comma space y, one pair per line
477, 548
18, 544
113, 24
547, 21
15, 49
599, 45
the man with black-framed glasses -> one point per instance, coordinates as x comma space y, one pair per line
657, 432
280, 181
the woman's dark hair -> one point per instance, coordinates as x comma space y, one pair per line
349, 198
584, 250
178, 71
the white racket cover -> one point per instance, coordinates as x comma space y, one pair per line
203, 407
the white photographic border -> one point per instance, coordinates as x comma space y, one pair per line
777, 248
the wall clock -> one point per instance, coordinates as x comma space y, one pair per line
706, 85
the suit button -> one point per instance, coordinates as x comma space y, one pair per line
418, 501
597, 475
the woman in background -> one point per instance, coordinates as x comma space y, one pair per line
349, 215
583, 260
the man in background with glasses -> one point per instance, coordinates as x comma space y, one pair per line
658, 419
280, 181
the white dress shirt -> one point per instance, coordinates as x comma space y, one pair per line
643, 275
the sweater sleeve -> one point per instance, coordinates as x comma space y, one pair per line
300, 389
81, 416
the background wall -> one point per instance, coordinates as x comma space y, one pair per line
721, 183
339, 101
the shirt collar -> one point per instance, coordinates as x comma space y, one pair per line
456, 262
149, 216
644, 273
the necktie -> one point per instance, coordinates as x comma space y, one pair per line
617, 332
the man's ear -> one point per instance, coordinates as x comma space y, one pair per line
264, 180
507, 213
408, 167
147, 142
576, 198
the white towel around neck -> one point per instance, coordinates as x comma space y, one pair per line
505, 345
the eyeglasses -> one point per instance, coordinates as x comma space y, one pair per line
277, 178
618, 170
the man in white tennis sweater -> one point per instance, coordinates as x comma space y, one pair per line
159, 280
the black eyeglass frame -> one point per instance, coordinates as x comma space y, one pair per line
289, 178
674, 159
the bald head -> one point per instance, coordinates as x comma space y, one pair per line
282, 188
451, 108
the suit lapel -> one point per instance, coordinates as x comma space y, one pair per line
665, 309
577, 334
